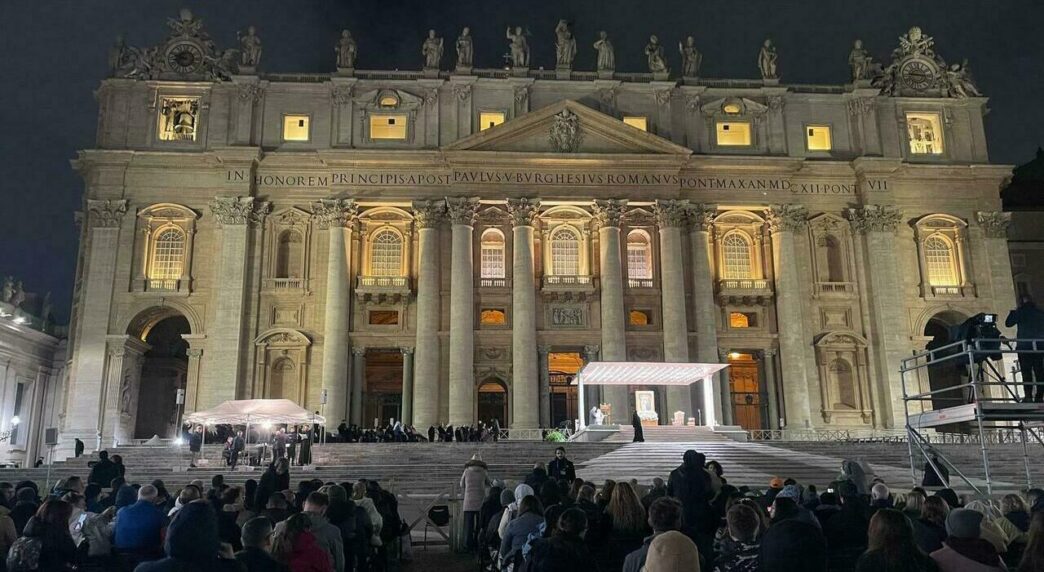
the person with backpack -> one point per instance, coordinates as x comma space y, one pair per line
46, 545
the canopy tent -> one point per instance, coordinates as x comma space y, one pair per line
651, 373
254, 411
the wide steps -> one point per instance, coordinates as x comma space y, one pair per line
668, 434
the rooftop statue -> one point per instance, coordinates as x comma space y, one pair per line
654, 53
916, 42
346, 50
519, 56
465, 49
565, 45
249, 48
767, 59
691, 57
606, 55
188, 52
960, 82
432, 51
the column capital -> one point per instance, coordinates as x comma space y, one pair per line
591, 352
195, 353
239, 210
787, 218
768, 353
406, 350
543, 350
875, 218
335, 212
462, 210
428, 214
723, 354
994, 224
523, 211
359, 351
701, 216
670, 213
106, 214
609, 212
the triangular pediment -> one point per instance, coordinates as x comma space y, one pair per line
564, 128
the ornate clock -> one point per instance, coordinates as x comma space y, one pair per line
917, 74
184, 57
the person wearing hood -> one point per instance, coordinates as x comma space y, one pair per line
491, 505
138, 532
690, 484
537, 477
672, 552
787, 504
26, 505
529, 518
793, 546
665, 515
964, 549
50, 525
192, 544
846, 531
564, 550
853, 471
473, 482
521, 491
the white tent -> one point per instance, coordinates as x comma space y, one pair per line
652, 373
254, 411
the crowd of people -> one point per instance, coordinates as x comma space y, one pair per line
696, 520
105, 523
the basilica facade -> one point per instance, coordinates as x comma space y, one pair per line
449, 246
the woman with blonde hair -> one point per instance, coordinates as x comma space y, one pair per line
361, 500
990, 528
624, 527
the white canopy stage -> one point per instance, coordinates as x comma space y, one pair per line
254, 411
653, 373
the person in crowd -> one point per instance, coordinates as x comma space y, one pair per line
605, 494
91, 494
195, 445
912, 504
528, 519
564, 550
930, 526
491, 504
276, 478
104, 471
121, 469
521, 491
891, 546
97, 534
787, 504
231, 506
277, 509
8, 534
1035, 499
78, 517
827, 508
793, 546
366, 503
7, 494
473, 482
26, 504
880, 496
192, 544
50, 528
138, 531
739, 548
775, 486
1030, 322
304, 454
990, 529
549, 494
665, 514
846, 531
672, 551
537, 477
295, 546
77, 447
1033, 554
327, 536
238, 445
109, 498
623, 527
636, 425
935, 472
560, 468
658, 490
964, 549
1014, 508
188, 494
257, 547
690, 484
950, 496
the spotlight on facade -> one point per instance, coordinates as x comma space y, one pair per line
15, 421
734, 355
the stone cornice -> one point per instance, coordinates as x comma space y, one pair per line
106, 214
335, 212
609, 212
462, 210
875, 218
523, 211
994, 224
671, 213
786, 218
429, 214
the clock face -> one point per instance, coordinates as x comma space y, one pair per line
917, 75
184, 57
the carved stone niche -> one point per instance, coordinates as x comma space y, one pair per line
288, 251
843, 378
281, 369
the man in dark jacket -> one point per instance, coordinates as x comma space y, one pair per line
1030, 322
238, 444
561, 468
665, 514
537, 477
25, 506
846, 531
690, 484
192, 544
257, 544
104, 471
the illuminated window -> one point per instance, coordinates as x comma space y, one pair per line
638, 317
388, 100
386, 254
817, 138
735, 248
384, 317
638, 121
489, 119
733, 133
288, 255
565, 252
388, 127
940, 261
295, 128
168, 254
639, 256
178, 118
742, 320
925, 132
493, 316
732, 108
492, 254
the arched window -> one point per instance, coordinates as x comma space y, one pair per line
288, 255
736, 258
831, 262
168, 254
281, 383
639, 256
846, 387
565, 252
940, 261
386, 253
492, 254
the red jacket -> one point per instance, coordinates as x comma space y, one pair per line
308, 556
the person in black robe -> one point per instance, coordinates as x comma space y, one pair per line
636, 422
305, 456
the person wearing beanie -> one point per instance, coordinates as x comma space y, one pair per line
672, 552
964, 550
787, 504
192, 543
521, 491
473, 483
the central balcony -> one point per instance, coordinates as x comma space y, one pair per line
745, 291
567, 287
383, 290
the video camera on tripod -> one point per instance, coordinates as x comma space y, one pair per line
980, 332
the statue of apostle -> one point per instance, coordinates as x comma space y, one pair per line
346, 50
654, 53
606, 55
250, 48
519, 48
432, 51
767, 60
565, 46
465, 49
691, 57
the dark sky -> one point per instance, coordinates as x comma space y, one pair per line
54, 54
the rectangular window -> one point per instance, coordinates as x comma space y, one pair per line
639, 121
384, 317
178, 118
742, 320
493, 316
733, 133
492, 261
388, 127
925, 132
817, 138
17, 412
296, 128
639, 317
489, 119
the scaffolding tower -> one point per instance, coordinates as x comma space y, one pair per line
985, 398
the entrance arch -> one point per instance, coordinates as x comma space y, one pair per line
940, 328
493, 401
147, 372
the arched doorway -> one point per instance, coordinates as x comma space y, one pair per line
164, 369
493, 402
940, 328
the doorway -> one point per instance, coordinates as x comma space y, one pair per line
382, 386
745, 391
493, 402
949, 373
164, 369
562, 370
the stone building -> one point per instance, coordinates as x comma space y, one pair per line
447, 246
1024, 200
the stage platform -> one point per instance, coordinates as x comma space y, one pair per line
991, 411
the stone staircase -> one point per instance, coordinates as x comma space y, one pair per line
668, 434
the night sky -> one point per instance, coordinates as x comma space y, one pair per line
54, 55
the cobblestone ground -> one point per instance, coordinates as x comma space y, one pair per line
440, 559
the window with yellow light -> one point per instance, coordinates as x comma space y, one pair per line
925, 133
489, 119
493, 316
388, 126
296, 128
733, 133
817, 138
639, 121
638, 317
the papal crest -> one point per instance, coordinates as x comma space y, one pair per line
565, 135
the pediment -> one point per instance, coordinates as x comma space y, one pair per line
567, 128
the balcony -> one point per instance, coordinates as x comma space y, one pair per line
745, 291
835, 289
566, 287
164, 286
951, 291
493, 283
639, 283
280, 284
383, 290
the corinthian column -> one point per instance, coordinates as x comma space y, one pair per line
671, 217
701, 216
524, 384
614, 341
338, 217
461, 213
783, 221
427, 217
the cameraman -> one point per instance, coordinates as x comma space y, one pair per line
1030, 322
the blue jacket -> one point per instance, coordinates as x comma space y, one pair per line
139, 527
